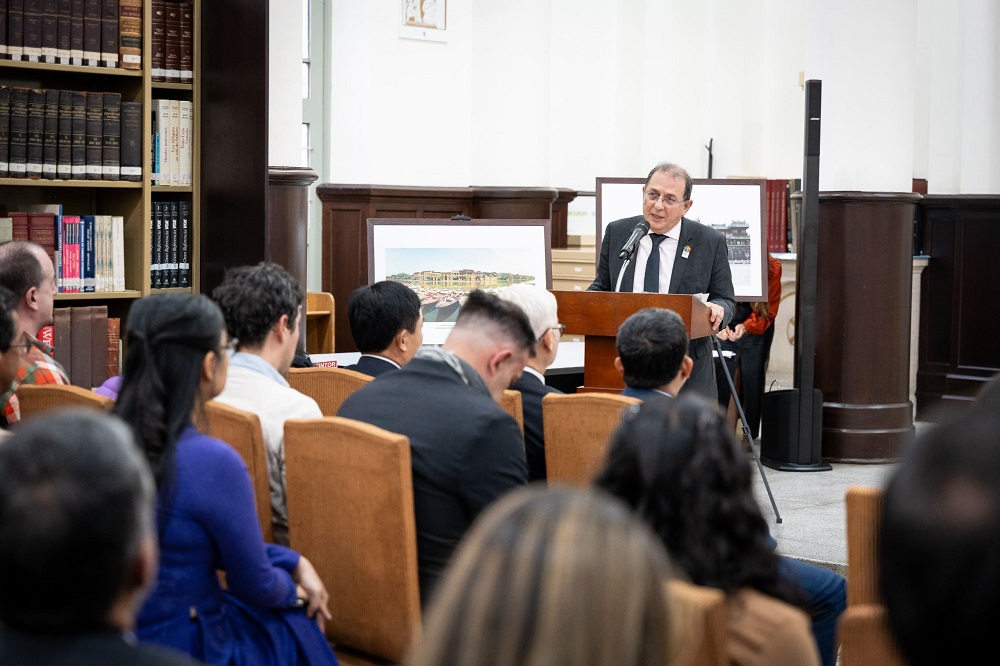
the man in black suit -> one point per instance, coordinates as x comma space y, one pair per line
540, 306
464, 449
77, 544
387, 326
652, 347
689, 258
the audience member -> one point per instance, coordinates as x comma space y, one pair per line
540, 306
939, 543
677, 256
748, 337
552, 576
26, 269
465, 450
11, 347
77, 546
387, 326
262, 306
176, 362
652, 347
675, 463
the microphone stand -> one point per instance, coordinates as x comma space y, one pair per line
746, 426
621, 273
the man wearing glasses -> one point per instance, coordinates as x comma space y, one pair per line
26, 269
677, 256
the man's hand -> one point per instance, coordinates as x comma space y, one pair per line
716, 315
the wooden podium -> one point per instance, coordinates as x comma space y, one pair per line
599, 314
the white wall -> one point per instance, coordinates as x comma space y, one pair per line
284, 84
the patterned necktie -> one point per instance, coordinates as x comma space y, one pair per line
651, 282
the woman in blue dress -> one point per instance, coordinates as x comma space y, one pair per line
273, 599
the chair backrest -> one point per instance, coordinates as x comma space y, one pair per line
35, 399
242, 431
699, 622
576, 428
863, 630
329, 387
319, 322
511, 403
350, 511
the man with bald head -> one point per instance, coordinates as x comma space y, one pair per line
465, 450
26, 269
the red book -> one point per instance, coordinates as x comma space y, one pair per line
47, 335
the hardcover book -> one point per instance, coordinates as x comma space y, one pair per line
87, 231
131, 141
158, 41
173, 279
185, 142
36, 132
98, 352
62, 342
18, 151
114, 346
172, 61
156, 246
76, 32
78, 142
173, 167
33, 30
184, 251
187, 42
92, 32
64, 138
95, 135
111, 150
64, 29
130, 34
50, 30
118, 253
3, 31
81, 331
4, 130
50, 136
15, 29
109, 33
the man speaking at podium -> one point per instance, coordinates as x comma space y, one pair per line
676, 256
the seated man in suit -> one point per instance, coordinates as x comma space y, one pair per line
540, 306
677, 256
77, 544
262, 306
465, 450
387, 326
652, 347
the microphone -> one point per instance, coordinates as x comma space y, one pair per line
640, 230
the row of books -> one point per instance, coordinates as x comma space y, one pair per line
172, 39
778, 209
87, 343
87, 251
172, 154
92, 33
170, 249
69, 135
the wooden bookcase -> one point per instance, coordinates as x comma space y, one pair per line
132, 200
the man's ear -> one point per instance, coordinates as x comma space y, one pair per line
281, 326
143, 570
31, 298
497, 359
619, 367
402, 339
687, 364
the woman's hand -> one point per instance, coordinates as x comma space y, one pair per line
312, 590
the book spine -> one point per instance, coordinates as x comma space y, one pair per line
87, 249
172, 245
172, 61
158, 41
36, 132
162, 107
95, 134
130, 34
114, 344
50, 31
64, 136
76, 32
131, 141
4, 131
186, 138
183, 243
112, 129
174, 144
157, 246
109, 33
92, 32
78, 141
62, 341
15, 29
118, 252
60, 236
64, 27
18, 151
187, 42
3, 29
33, 30
51, 135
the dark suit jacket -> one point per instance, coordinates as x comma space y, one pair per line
464, 449
97, 648
705, 270
532, 391
370, 365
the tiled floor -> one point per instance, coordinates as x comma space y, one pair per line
811, 505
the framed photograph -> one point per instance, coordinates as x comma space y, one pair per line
733, 206
424, 19
443, 260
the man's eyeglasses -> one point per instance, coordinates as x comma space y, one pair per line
232, 344
557, 327
652, 196
23, 347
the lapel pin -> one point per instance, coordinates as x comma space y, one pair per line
686, 252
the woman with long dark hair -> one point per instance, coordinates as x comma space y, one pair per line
679, 468
176, 362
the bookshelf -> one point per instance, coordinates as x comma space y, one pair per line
134, 201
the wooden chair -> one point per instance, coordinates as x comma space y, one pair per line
350, 511
699, 626
319, 322
242, 431
576, 428
511, 403
35, 399
865, 639
329, 387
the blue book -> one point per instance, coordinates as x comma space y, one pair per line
87, 224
